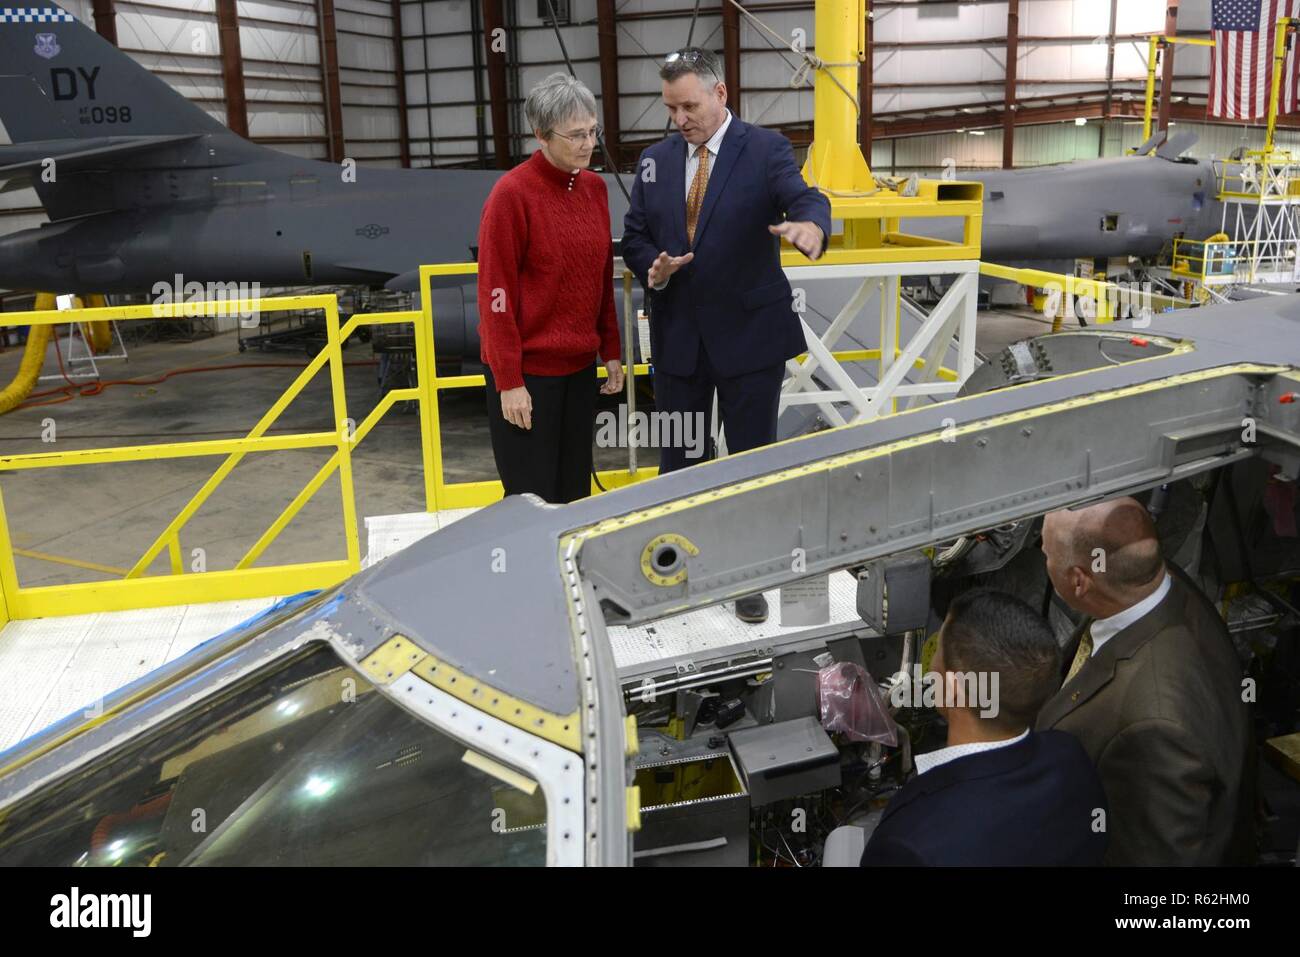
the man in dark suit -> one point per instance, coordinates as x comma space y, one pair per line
710, 205
998, 793
1153, 693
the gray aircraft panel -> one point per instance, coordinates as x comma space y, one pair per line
1262, 332
1162, 419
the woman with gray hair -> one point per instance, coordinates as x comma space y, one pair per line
546, 300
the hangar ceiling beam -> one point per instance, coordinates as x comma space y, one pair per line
494, 30
1031, 112
399, 71
106, 20
329, 41
731, 54
232, 67
1167, 79
607, 41
1110, 78
480, 121
1009, 91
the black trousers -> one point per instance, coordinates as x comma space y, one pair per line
747, 407
552, 459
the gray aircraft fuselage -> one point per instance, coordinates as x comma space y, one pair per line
218, 209
150, 187
141, 185
221, 210
1091, 209
1122, 206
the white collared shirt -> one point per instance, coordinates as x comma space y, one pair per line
928, 762
1107, 628
693, 152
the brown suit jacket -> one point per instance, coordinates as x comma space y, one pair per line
1159, 710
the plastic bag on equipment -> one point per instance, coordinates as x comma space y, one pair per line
852, 704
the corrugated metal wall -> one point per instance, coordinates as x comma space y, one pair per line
368, 81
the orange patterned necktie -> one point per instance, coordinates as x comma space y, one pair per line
695, 198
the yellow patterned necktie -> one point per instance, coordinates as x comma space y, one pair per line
1082, 655
695, 198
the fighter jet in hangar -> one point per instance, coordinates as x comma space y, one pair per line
140, 185
1099, 209
410, 716
146, 185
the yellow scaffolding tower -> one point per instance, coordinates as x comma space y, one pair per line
876, 248
1155, 49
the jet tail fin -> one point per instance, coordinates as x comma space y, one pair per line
1166, 146
61, 79
1177, 145
1149, 147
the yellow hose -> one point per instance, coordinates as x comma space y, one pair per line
98, 334
29, 370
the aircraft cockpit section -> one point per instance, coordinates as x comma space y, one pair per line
303, 762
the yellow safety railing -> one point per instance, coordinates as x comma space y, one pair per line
449, 495
1221, 261
1208, 261
1259, 176
439, 493
1109, 299
136, 588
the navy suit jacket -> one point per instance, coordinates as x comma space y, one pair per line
1030, 803
733, 295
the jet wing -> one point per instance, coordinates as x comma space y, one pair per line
22, 164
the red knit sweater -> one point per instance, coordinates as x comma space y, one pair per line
545, 273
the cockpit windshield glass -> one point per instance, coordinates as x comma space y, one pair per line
303, 764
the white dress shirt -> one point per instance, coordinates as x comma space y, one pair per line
693, 153
928, 762
1105, 629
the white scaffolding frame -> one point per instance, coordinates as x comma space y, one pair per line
1262, 219
952, 318
83, 364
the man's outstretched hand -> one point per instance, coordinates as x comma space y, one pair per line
805, 237
664, 266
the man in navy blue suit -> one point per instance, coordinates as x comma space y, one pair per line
999, 793
710, 205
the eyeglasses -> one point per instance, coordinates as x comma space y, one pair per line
696, 57
687, 56
594, 133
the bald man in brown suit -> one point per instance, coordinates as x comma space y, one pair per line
1153, 692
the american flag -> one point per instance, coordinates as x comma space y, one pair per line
1241, 65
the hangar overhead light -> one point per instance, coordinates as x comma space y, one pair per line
1080, 121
